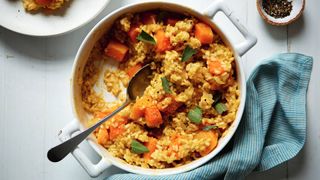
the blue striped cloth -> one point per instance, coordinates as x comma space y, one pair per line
273, 127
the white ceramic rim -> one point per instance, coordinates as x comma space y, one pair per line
83, 52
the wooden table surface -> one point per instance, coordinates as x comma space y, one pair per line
35, 102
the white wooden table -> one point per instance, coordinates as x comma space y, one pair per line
35, 102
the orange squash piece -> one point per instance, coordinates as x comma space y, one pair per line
115, 131
133, 33
215, 67
213, 136
163, 42
203, 33
137, 112
153, 117
116, 50
133, 70
117, 128
138, 108
152, 146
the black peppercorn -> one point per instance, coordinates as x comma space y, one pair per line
277, 8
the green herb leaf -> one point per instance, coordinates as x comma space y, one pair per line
220, 107
166, 85
216, 97
145, 37
162, 16
138, 148
195, 115
207, 128
188, 52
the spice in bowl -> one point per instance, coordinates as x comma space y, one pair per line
277, 8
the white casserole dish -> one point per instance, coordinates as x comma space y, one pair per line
83, 53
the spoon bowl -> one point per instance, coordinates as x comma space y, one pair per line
136, 87
139, 82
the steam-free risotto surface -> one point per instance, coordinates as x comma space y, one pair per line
191, 101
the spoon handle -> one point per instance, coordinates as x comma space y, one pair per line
59, 152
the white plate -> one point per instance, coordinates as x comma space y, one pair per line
78, 13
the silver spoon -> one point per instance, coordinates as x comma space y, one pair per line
136, 88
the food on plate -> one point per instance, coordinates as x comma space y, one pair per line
33, 5
190, 103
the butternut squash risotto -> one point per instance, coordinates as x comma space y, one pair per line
191, 101
33, 5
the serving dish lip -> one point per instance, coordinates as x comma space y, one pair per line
167, 171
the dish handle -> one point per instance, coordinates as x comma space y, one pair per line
93, 170
250, 39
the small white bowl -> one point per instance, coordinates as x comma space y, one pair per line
297, 9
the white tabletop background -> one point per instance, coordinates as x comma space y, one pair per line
35, 102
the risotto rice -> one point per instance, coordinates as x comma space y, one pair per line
190, 103
33, 5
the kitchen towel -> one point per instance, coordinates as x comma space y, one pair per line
272, 129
